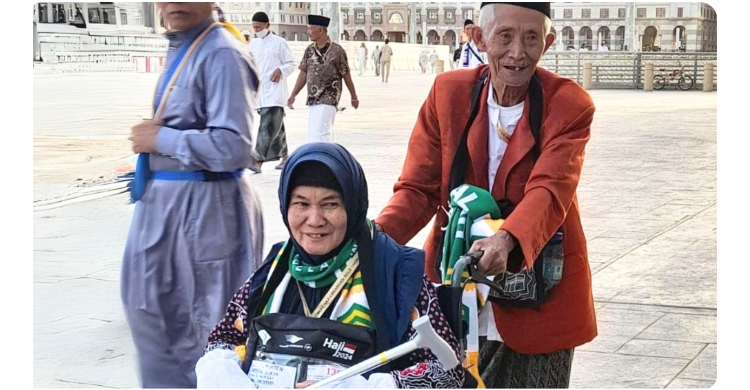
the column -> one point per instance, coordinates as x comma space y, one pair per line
631, 35
331, 10
412, 22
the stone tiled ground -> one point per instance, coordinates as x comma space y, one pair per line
647, 196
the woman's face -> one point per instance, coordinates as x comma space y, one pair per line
317, 219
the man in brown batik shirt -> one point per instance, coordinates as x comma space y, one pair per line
323, 67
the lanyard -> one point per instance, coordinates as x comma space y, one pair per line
332, 293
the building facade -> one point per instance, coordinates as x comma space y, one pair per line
685, 27
436, 22
677, 26
288, 19
663, 26
84, 18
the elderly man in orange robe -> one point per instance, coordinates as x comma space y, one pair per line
534, 183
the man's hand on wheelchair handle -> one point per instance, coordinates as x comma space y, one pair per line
496, 249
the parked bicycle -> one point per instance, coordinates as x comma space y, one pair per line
684, 81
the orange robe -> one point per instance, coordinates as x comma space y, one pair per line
545, 196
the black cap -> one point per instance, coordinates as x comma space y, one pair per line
541, 7
313, 174
318, 20
260, 17
468, 21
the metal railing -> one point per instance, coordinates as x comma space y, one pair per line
610, 70
626, 70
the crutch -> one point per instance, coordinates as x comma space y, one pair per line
425, 338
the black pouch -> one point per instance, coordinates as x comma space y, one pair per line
523, 287
299, 341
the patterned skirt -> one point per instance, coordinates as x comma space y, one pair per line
504, 368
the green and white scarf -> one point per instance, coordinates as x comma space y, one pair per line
325, 274
473, 215
351, 307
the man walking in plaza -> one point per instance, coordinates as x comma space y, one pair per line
197, 231
362, 58
323, 67
276, 63
376, 60
385, 62
434, 58
471, 56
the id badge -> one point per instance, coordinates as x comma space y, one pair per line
272, 376
318, 372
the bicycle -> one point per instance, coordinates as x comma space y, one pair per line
684, 82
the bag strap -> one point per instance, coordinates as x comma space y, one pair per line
171, 78
481, 60
536, 114
460, 159
282, 267
371, 286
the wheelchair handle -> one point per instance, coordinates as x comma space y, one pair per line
469, 261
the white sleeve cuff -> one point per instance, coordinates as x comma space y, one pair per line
221, 369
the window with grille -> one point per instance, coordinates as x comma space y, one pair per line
469, 14
604, 13
621, 12
641, 13
585, 13
661, 12
360, 15
679, 12
568, 14
432, 15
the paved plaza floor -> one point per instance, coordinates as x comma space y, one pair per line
647, 196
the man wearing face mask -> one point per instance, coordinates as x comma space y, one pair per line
276, 63
524, 143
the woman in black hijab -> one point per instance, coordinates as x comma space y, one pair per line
336, 293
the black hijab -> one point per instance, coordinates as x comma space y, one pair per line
347, 173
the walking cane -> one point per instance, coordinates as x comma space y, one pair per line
425, 338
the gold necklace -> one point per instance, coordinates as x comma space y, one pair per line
501, 132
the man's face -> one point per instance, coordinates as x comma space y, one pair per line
515, 44
183, 16
259, 26
467, 30
314, 32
